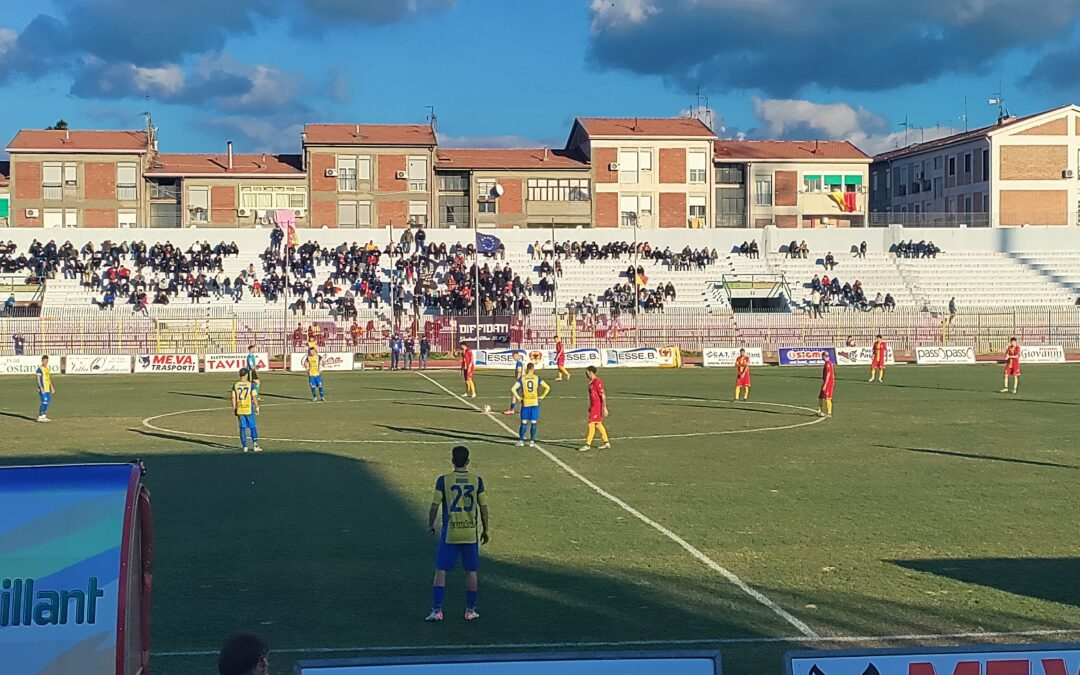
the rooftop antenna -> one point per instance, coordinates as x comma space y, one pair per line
151, 132
432, 117
998, 99
964, 116
908, 126
701, 108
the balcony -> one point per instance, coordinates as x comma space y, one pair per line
127, 193
52, 192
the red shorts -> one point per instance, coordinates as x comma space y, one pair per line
1012, 369
826, 392
561, 362
877, 364
596, 415
742, 380
467, 374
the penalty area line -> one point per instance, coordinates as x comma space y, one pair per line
647, 643
687, 546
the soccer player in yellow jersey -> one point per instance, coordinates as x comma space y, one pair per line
313, 363
530, 390
460, 495
245, 405
45, 389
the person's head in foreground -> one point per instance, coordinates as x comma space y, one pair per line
244, 654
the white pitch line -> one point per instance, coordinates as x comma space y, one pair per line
148, 423
706, 560
646, 643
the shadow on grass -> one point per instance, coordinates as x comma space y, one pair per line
449, 434
195, 394
18, 416
983, 457
192, 440
1051, 579
444, 406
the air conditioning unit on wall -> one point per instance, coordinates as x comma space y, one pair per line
243, 213
32, 213
1068, 173
614, 166
401, 175
330, 173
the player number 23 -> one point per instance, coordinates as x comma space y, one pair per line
460, 493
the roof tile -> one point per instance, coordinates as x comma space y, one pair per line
786, 150
646, 126
370, 134
508, 158
56, 140
243, 164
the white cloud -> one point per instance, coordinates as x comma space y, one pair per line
169, 80
709, 116
497, 141
806, 120
8, 38
269, 87
619, 13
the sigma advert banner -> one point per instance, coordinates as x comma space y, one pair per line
60, 548
97, 365
934, 356
1034, 660
1042, 354
166, 363
231, 363
724, 357
643, 357
805, 356
861, 356
25, 365
330, 361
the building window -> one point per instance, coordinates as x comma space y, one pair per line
455, 182
763, 189
888, 179
486, 206
628, 166
967, 163
937, 163
952, 166
986, 164
558, 190
874, 181
127, 177
198, 204
418, 213
52, 181
165, 215
453, 210
354, 214
698, 167
127, 218
812, 184
967, 204
697, 208
731, 174
485, 196
71, 175
939, 188
632, 208
274, 196
165, 190
417, 174
346, 173
60, 218
986, 203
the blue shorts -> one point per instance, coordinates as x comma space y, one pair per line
530, 413
314, 380
447, 556
246, 421
45, 398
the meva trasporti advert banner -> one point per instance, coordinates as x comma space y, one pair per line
1029, 660
724, 357
166, 363
61, 543
330, 361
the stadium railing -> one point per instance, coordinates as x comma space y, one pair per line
204, 330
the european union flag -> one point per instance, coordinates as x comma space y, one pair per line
486, 243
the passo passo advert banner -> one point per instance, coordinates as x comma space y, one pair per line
981, 660
65, 542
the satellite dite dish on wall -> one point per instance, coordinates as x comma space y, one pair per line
498, 190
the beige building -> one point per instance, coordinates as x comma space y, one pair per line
5, 196
535, 187
790, 184
63, 178
647, 172
370, 175
229, 190
1020, 171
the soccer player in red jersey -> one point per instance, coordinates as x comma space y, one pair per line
828, 381
468, 369
560, 361
742, 376
877, 361
1012, 366
597, 410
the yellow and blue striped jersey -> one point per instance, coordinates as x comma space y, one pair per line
44, 380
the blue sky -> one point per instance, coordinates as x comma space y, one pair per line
516, 72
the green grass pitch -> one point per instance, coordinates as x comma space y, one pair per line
929, 505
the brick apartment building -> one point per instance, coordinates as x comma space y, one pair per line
613, 172
790, 184
1020, 171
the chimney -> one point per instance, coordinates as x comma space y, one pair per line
67, 135
545, 154
357, 132
303, 151
229, 146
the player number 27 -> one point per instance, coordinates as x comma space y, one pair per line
460, 493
